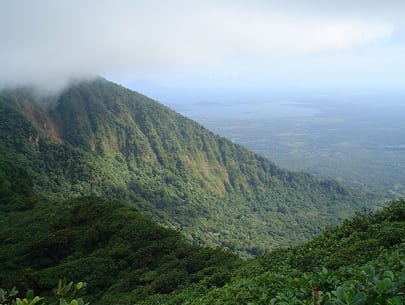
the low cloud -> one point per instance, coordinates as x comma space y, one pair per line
48, 43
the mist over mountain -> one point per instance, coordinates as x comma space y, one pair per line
227, 44
102, 139
255, 167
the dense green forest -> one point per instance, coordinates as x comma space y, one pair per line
126, 258
108, 244
99, 139
360, 262
145, 159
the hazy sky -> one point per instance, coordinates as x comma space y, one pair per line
163, 46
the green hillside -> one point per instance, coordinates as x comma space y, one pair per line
114, 248
126, 258
100, 139
360, 262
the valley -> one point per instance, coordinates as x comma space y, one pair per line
149, 207
202, 152
126, 258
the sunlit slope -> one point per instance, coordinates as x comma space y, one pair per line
98, 138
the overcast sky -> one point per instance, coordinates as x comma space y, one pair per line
158, 46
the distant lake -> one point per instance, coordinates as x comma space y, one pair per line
262, 110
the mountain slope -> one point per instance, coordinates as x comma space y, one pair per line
126, 258
101, 139
114, 248
360, 262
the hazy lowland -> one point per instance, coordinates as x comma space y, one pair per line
357, 138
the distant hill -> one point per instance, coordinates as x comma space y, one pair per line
99, 139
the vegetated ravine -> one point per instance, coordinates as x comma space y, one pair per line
100, 139
126, 258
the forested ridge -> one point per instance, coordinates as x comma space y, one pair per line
124, 257
99, 139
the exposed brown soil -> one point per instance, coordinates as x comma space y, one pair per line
40, 119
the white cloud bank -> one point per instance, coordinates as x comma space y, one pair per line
48, 42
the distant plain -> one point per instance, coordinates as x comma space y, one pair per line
358, 139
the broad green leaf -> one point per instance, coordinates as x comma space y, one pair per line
35, 300
63, 302
388, 274
384, 284
370, 272
398, 300
359, 298
342, 295
30, 294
